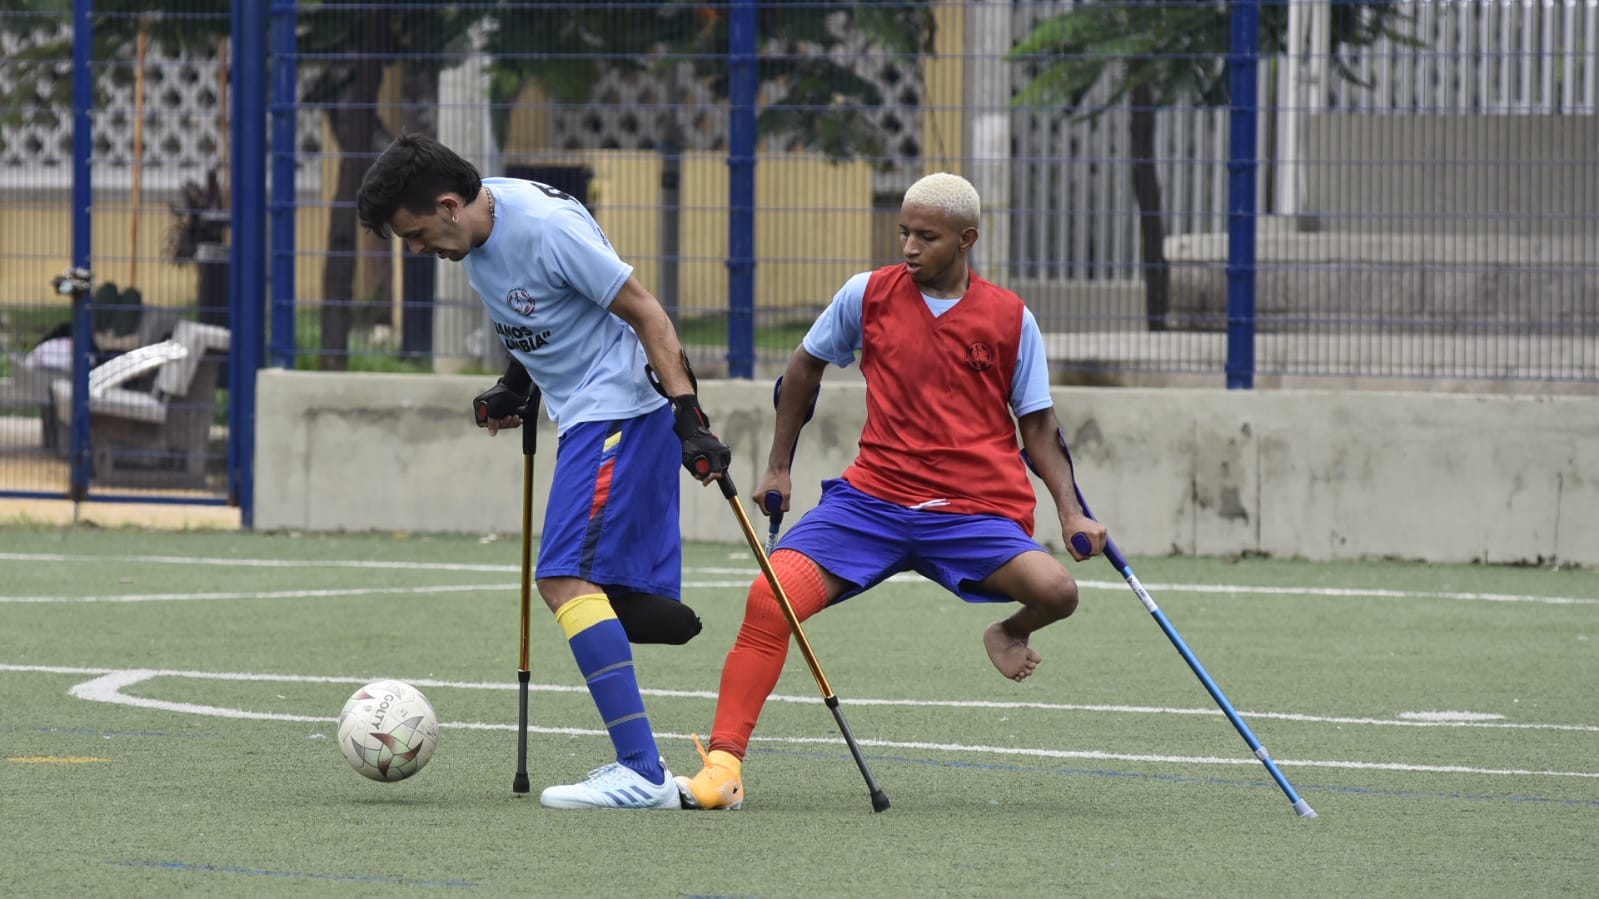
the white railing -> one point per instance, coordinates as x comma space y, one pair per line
1073, 214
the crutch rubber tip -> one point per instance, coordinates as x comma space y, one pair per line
519, 785
880, 801
1303, 809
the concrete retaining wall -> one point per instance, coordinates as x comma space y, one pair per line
1319, 475
1436, 222
1400, 282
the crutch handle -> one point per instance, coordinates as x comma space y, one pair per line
772, 502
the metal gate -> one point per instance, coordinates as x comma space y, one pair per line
115, 296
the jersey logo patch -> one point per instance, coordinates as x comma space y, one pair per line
520, 301
979, 356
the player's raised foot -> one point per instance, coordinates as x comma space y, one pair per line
614, 786
1011, 655
718, 785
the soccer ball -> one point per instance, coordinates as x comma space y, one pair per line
388, 730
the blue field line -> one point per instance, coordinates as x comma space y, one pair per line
1184, 779
303, 875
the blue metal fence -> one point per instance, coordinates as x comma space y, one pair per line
1260, 193
113, 320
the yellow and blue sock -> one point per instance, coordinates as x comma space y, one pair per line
599, 644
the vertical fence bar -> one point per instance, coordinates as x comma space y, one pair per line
1590, 74
283, 103
249, 236
82, 238
1243, 61
743, 80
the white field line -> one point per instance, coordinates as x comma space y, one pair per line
256, 563
266, 594
745, 576
108, 686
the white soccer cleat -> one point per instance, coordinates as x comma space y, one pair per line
614, 786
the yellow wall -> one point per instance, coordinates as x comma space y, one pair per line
813, 230
944, 78
812, 224
36, 245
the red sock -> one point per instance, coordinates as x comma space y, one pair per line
756, 659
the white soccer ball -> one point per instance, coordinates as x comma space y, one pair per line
388, 730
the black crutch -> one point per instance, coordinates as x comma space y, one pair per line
524, 674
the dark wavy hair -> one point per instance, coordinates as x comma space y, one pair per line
410, 174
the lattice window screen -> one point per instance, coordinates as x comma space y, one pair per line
184, 124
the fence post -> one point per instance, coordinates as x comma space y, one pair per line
82, 240
742, 83
249, 236
284, 104
1244, 76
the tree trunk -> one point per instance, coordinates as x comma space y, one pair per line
355, 126
1146, 191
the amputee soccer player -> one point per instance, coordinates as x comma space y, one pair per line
939, 486
579, 325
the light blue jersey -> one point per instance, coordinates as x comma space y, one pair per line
836, 337
548, 275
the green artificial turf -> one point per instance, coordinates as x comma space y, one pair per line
168, 702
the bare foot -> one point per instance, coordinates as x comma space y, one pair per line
1012, 656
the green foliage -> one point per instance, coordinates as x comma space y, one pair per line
711, 330
568, 49
427, 35
41, 74
308, 350
25, 325
1176, 49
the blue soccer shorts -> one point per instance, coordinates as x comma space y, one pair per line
864, 540
612, 513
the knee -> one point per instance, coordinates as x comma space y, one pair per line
761, 610
655, 619
1056, 596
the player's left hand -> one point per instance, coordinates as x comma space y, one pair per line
1074, 525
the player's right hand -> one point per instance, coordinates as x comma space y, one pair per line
499, 407
704, 454
778, 484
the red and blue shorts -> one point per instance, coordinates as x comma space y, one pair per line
612, 513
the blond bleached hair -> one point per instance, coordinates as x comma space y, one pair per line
952, 194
